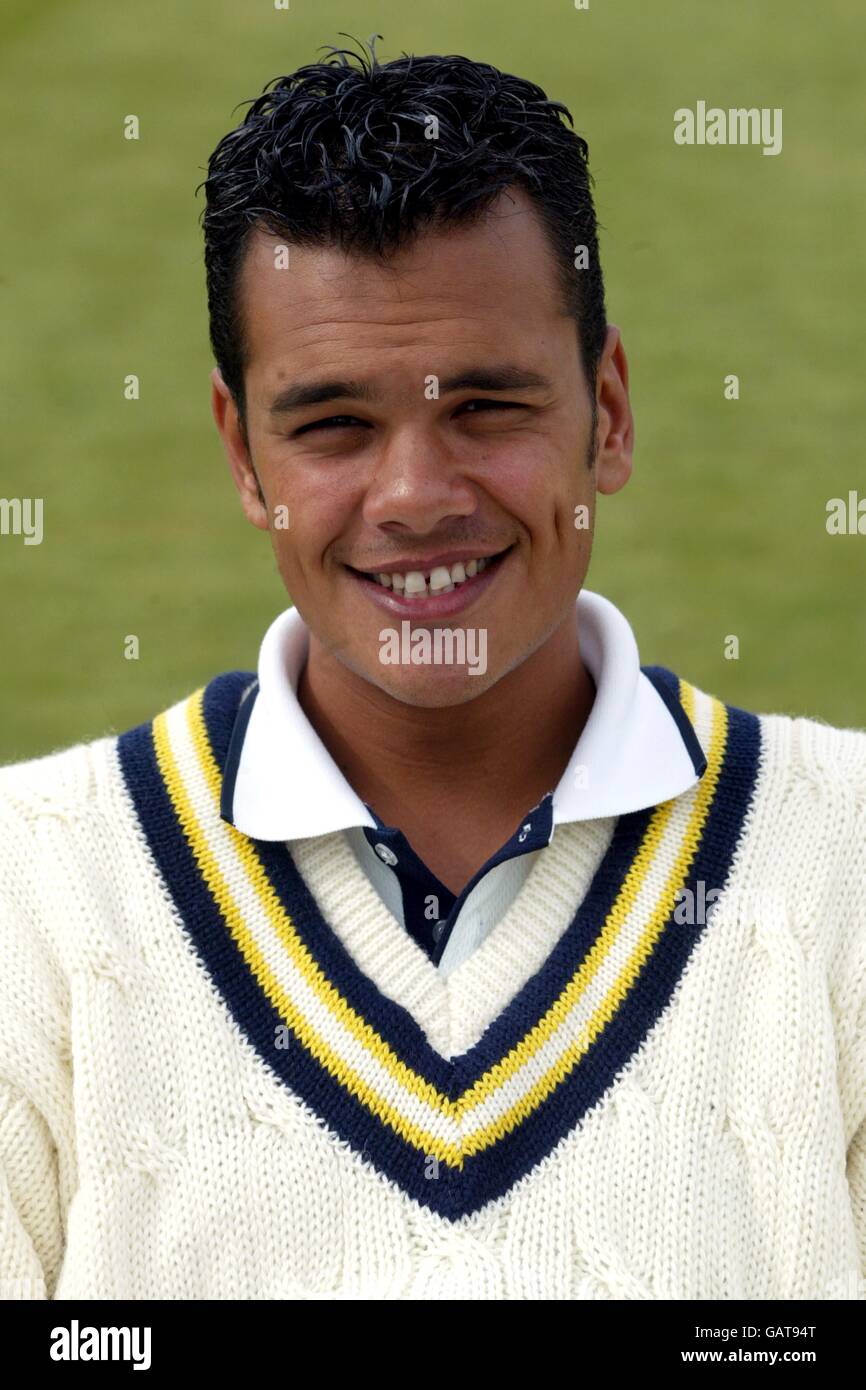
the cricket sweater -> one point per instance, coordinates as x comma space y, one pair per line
281, 782
227, 1072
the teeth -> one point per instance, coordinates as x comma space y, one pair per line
440, 580
443, 578
415, 583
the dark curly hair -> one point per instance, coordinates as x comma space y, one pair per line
339, 152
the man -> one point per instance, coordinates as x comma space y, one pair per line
454, 955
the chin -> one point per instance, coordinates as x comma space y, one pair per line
435, 690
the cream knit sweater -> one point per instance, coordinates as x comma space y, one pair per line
225, 1072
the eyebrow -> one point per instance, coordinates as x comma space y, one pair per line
504, 377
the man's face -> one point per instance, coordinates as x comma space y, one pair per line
445, 417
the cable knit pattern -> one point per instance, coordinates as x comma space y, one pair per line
455, 1011
699, 1132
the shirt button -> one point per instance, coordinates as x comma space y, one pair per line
438, 928
387, 855
524, 831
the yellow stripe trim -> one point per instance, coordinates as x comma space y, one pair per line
483, 1138
625, 901
452, 1111
427, 1143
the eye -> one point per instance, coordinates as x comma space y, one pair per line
477, 406
331, 423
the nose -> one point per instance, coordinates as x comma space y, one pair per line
416, 483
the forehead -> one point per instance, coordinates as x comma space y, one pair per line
489, 282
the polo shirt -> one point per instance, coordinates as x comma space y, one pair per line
636, 750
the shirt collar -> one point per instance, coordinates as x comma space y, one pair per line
634, 751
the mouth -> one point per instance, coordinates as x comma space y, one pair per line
431, 589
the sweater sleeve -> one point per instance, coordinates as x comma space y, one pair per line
853, 1075
857, 1188
849, 994
36, 1115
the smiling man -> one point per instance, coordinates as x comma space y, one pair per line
392, 972
419, 421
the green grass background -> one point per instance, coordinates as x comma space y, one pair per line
717, 260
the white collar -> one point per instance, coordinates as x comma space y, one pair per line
632, 752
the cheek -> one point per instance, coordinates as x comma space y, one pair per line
285, 555
556, 506
309, 521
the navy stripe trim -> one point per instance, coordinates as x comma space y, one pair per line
667, 685
543, 988
394, 1024
484, 1177
488, 1175
391, 1020
233, 756
337, 1109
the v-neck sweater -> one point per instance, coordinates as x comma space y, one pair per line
227, 1072
283, 784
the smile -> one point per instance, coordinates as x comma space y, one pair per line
432, 590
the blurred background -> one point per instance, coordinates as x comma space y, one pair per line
717, 260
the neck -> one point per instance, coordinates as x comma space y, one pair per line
505, 749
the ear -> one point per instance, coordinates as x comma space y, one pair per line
225, 413
615, 423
